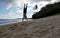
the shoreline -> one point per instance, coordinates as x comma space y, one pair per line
38, 28
8, 23
15, 22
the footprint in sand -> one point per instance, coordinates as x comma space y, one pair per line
12, 27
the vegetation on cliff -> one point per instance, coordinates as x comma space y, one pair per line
48, 10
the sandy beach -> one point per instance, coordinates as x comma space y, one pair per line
48, 27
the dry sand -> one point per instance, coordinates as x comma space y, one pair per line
48, 27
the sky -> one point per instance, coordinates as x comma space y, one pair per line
11, 9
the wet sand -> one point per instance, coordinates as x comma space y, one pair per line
48, 27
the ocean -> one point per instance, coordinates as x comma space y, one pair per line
9, 21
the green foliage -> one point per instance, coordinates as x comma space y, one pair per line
49, 10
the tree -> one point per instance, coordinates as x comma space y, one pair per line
49, 10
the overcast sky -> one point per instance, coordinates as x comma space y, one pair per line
10, 9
